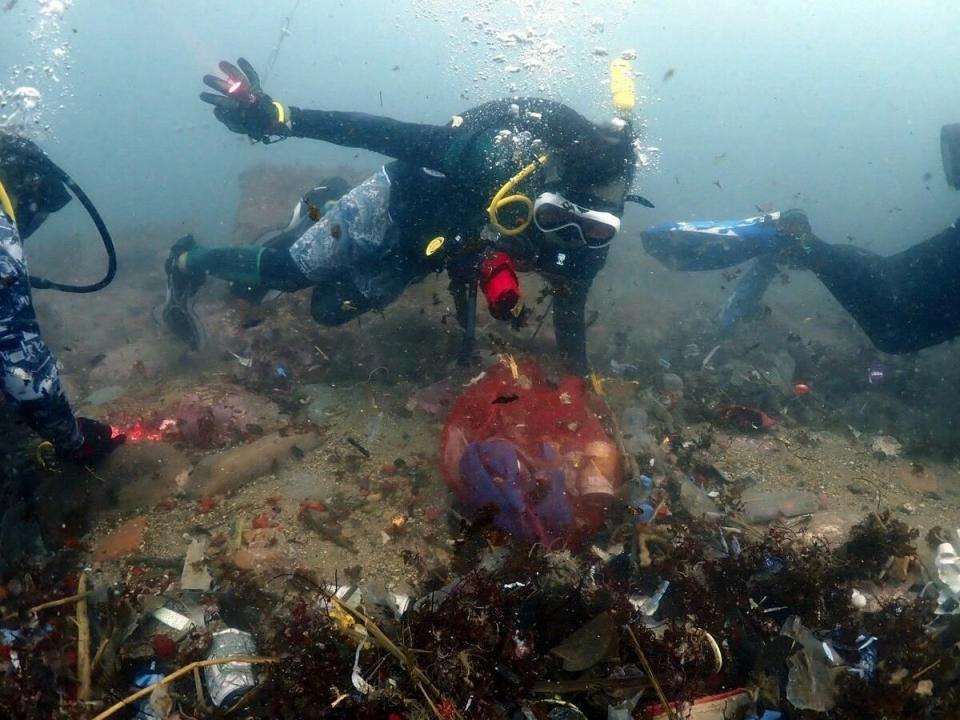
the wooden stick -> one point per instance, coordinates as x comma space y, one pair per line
83, 641
563, 687
387, 644
99, 654
198, 686
248, 659
430, 702
47, 605
925, 670
245, 700
649, 671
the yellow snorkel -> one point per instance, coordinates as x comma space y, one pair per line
622, 87
501, 199
624, 92
6, 204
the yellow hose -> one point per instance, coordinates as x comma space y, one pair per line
501, 200
5, 204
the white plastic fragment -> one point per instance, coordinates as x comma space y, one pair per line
948, 566
858, 599
362, 686
244, 361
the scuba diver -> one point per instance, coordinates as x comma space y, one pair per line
903, 302
32, 187
551, 184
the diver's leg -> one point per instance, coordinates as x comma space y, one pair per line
270, 267
254, 269
570, 328
337, 302
188, 265
904, 302
465, 302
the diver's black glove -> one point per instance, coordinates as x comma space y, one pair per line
99, 441
242, 105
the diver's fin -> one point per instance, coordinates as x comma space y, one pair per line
177, 313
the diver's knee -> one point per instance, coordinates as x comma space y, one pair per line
19, 388
891, 342
331, 306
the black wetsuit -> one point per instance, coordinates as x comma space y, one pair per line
904, 302
445, 176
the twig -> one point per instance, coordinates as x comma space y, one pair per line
99, 654
649, 671
925, 670
630, 467
248, 659
47, 605
245, 700
563, 687
360, 448
430, 702
198, 686
387, 644
542, 318
83, 641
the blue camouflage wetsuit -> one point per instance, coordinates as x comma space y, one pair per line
31, 381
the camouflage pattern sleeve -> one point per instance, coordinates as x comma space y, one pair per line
28, 372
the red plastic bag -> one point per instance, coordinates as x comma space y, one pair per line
553, 429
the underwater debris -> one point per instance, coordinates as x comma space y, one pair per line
745, 418
521, 626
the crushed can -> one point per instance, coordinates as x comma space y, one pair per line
227, 683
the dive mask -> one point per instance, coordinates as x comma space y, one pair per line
553, 213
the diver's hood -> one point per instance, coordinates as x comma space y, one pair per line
39, 187
33, 179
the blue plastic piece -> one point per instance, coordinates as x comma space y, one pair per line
147, 674
647, 511
746, 296
493, 477
772, 564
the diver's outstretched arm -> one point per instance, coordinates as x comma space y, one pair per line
419, 144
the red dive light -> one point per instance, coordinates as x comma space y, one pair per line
500, 285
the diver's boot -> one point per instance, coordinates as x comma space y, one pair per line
177, 312
794, 237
